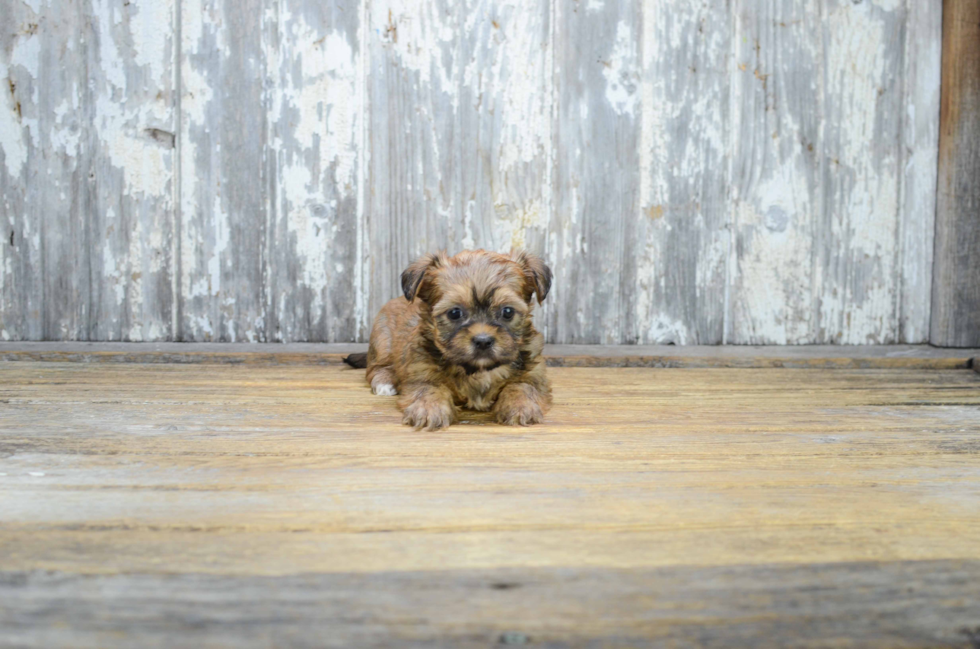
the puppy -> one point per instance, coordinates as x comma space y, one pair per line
463, 336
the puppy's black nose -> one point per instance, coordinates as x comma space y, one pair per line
483, 342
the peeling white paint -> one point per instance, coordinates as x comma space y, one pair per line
620, 71
865, 215
317, 107
775, 265
484, 173
12, 144
110, 60
417, 32
152, 36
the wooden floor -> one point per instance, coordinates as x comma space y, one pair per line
254, 505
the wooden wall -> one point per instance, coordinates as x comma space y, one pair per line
740, 171
956, 282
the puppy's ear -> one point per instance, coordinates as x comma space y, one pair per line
537, 275
413, 275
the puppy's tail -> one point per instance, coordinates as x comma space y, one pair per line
357, 361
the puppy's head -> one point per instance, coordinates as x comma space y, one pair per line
478, 304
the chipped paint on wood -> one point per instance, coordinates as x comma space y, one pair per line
315, 117
777, 78
825, 204
414, 202
505, 126
225, 184
682, 241
86, 179
597, 165
708, 172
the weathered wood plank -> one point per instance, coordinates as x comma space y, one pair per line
596, 177
776, 171
858, 231
225, 182
741, 172
726, 507
505, 126
413, 203
870, 604
956, 276
799, 357
681, 231
919, 166
86, 138
832, 226
836, 104
316, 119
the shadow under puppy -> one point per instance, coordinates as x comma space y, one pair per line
463, 336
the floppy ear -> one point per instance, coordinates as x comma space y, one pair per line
536, 274
412, 276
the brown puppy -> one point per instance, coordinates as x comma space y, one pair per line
463, 336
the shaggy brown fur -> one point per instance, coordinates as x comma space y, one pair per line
463, 336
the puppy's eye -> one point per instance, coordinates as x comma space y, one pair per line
508, 313
455, 313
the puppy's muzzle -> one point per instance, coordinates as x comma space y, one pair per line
483, 342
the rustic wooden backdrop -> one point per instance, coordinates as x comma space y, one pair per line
740, 171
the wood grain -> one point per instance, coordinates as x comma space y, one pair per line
829, 605
224, 187
86, 138
682, 233
859, 227
956, 280
777, 175
920, 166
597, 180
696, 173
413, 197
823, 225
920, 357
506, 127
317, 117
840, 507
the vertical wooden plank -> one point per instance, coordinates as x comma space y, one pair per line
224, 191
776, 169
682, 234
857, 238
87, 136
956, 274
821, 211
596, 177
505, 126
21, 292
919, 154
316, 117
413, 201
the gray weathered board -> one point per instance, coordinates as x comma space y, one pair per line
695, 172
956, 283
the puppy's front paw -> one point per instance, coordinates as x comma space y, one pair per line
518, 408
429, 413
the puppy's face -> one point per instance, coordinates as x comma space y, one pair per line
479, 304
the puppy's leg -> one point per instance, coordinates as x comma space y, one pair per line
427, 406
383, 381
524, 401
380, 374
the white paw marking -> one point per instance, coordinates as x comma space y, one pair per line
385, 390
